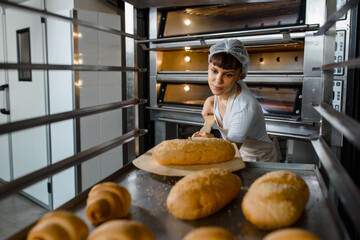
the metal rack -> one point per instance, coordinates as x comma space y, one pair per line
348, 192
133, 134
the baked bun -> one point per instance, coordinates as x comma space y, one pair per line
107, 201
59, 225
210, 233
291, 233
202, 193
276, 199
122, 230
194, 151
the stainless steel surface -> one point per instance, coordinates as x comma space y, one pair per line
36, 176
348, 192
33, 122
152, 57
44, 13
149, 192
336, 16
311, 94
341, 122
300, 28
68, 67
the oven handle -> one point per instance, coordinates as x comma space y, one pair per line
181, 121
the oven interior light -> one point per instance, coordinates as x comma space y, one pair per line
187, 58
186, 88
187, 48
187, 22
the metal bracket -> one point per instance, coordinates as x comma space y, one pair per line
4, 110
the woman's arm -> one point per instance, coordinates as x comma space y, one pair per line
208, 107
237, 144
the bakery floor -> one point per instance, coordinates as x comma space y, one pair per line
16, 213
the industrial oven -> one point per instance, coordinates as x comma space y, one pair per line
285, 58
299, 72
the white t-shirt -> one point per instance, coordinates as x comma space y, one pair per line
246, 118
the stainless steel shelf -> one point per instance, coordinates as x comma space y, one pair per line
149, 192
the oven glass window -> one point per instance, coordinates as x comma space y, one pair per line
184, 94
230, 17
278, 100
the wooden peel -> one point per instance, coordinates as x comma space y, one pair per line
209, 122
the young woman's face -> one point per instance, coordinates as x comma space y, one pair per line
221, 81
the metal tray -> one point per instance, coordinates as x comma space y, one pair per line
149, 192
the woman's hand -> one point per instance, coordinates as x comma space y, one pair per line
202, 134
208, 107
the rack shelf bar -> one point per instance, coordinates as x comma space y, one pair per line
36, 176
348, 192
350, 63
341, 122
38, 121
335, 17
68, 67
83, 23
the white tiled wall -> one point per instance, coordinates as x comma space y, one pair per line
100, 48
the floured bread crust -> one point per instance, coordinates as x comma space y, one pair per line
185, 151
210, 233
276, 199
202, 193
291, 233
121, 230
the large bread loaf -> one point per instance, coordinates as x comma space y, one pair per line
202, 193
107, 201
276, 199
122, 230
59, 225
185, 151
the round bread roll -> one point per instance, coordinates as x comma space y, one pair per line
276, 199
121, 230
202, 193
59, 225
107, 201
291, 233
210, 233
199, 151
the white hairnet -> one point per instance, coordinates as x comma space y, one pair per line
234, 47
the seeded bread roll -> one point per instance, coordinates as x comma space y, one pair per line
122, 230
202, 193
276, 199
185, 151
59, 225
291, 233
107, 201
210, 233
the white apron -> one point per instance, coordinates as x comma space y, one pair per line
251, 150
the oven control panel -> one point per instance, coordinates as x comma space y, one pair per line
339, 51
337, 94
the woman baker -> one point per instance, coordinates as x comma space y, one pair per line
237, 113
